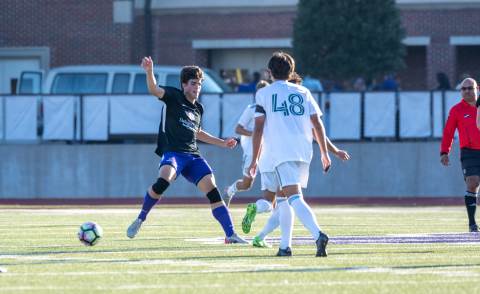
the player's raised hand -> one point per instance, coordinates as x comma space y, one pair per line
230, 143
343, 155
147, 63
326, 162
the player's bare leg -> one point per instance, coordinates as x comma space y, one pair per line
243, 184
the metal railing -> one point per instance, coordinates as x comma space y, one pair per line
347, 116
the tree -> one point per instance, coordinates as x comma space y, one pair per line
344, 39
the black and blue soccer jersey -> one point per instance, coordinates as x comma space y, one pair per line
182, 122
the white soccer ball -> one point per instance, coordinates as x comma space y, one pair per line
90, 233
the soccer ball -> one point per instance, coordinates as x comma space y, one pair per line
90, 233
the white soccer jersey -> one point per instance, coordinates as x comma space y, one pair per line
287, 133
247, 120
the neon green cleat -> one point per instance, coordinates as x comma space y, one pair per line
257, 242
249, 217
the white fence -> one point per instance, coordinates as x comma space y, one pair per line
348, 115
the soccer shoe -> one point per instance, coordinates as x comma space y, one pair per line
284, 252
257, 242
473, 228
228, 195
322, 242
134, 228
235, 239
249, 217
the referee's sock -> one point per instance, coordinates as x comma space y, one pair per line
471, 205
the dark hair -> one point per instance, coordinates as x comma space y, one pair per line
190, 72
281, 65
295, 78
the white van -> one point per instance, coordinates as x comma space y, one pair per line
109, 79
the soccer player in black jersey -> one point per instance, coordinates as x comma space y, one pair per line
180, 153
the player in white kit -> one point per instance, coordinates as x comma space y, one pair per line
267, 187
285, 114
244, 128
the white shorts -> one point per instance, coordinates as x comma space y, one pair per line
286, 174
293, 173
269, 182
247, 159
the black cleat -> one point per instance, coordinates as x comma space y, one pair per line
322, 242
473, 228
284, 252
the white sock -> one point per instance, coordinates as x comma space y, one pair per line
286, 222
263, 206
272, 223
305, 214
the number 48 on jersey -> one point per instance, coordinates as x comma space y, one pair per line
293, 105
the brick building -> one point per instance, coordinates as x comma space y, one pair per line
442, 36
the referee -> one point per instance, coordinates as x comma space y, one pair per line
462, 117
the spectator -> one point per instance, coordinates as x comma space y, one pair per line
250, 87
372, 85
314, 85
338, 86
228, 79
389, 83
443, 82
359, 85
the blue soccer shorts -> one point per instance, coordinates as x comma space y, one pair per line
192, 167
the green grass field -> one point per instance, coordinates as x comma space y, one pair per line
173, 254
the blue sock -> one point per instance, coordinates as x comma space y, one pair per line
148, 203
223, 217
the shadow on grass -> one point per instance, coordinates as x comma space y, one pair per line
308, 269
90, 251
216, 258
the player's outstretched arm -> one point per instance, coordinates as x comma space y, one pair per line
322, 140
339, 153
147, 65
241, 130
207, 138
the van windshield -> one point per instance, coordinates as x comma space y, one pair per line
79, 83
218, 80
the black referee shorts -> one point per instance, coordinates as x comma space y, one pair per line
470, 159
